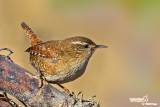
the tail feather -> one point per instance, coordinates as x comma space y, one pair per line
34, 39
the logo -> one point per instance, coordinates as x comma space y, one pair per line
143, 101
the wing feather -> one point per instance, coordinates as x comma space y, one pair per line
46, 50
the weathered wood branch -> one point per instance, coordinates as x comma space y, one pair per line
23, 85
5, 104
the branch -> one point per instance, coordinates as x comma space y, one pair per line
23, 85
4, 104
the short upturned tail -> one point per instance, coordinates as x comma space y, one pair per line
34, 39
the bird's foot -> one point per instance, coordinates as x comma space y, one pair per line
65, 90
41, 77
42, 80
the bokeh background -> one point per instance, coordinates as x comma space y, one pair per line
129, 68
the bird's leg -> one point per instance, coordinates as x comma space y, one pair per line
40, 75
65, 89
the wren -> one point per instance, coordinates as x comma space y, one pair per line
60, 61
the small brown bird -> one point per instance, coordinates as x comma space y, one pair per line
60, 61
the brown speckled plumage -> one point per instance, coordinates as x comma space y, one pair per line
60, 61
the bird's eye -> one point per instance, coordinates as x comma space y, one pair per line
85, 46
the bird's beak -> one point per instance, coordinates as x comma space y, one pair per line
101, 46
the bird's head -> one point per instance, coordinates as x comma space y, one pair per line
81, 46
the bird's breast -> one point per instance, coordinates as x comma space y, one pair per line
61, 71
70, 73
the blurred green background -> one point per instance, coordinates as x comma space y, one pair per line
129, 68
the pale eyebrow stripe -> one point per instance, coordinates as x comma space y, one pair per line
78, 42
